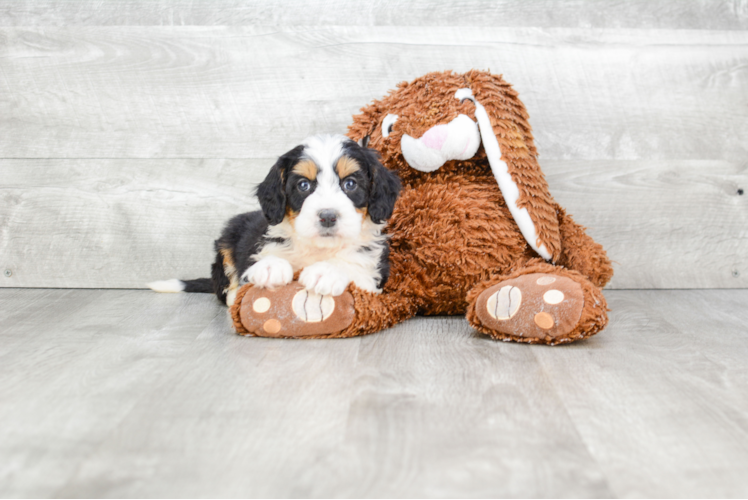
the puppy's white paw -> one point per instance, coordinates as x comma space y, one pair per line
324, 278
269, 272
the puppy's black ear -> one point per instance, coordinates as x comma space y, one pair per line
271, 192
385, 188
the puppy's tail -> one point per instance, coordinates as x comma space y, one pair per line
200, 285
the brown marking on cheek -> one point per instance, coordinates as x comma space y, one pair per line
306, 168
346, 166
363, 211
291, 216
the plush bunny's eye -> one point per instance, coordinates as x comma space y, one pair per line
387, 124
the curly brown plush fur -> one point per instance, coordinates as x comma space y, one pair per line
452, 235
454, 239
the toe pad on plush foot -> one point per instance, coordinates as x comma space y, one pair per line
533, 306
292, 311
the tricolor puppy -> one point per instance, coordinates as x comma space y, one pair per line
324, 205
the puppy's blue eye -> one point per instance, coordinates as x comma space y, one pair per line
350, 184
303, 185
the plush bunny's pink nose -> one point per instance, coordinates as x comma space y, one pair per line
435, 137
457, 140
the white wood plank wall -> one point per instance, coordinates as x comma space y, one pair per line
129, 131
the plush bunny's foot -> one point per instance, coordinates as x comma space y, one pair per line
290, 311
534, 307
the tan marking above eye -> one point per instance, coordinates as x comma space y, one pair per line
346, 166
306, 168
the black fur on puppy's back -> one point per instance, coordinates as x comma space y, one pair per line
243, 236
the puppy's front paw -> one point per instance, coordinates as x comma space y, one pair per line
269, 272
324, 278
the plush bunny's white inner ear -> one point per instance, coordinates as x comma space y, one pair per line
501, 172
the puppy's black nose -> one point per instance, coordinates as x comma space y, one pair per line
328, 218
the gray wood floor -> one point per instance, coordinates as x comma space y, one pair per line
121, 393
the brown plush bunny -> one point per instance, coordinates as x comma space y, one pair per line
475, 230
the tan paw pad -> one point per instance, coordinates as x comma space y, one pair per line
292, 311
261, 305
533, 306
505, 303
272, 326
544, 320
553, 297
311, 307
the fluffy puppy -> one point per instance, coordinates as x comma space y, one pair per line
324, 205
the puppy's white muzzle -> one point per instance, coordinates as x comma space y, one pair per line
457, 140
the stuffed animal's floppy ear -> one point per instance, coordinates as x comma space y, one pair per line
384, 189
271, 193
507, 139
